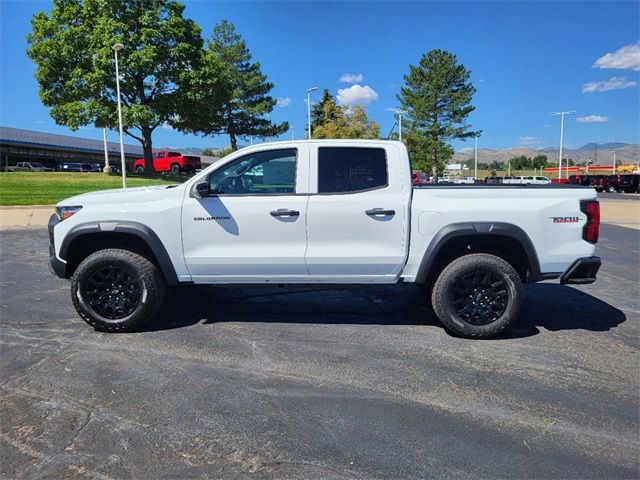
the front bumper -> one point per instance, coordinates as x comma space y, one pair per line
56, 266
582, 271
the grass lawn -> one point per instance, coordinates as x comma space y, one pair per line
47, 188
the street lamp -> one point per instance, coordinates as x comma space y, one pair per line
116, 48
399, 113
562, 114
309, 90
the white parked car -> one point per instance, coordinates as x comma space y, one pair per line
466, 180
323, 212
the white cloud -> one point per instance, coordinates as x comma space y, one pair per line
357, 95
283, 102
614, 83
166, 126
592, 119
625, 58
530, 141
351, 78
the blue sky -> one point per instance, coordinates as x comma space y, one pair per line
527, 59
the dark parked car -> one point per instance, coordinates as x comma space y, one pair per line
75, 167
627, 183
583, 180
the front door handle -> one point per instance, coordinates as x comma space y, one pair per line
374, 212
283, 212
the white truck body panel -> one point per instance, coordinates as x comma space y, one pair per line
332, 240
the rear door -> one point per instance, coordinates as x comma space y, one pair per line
357, 214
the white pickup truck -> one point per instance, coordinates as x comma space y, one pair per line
329, 212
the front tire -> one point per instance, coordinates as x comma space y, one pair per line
175, 168
139, 169
477, 296
116, 290
611, 189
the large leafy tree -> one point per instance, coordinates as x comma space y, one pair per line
437, 95
72, 49
241, 87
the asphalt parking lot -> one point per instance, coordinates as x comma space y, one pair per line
315, 383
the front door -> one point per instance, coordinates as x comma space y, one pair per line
251, 227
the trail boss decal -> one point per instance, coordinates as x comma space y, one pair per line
565, 219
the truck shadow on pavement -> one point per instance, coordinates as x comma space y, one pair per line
548, 306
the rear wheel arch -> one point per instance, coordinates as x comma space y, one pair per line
86, 239
504, 240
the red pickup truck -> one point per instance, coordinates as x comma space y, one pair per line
168, 161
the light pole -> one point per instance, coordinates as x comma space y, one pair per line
309, 90
562, 114
399, 113
614, 163
292, 133
475, 160
116, 48
107, 168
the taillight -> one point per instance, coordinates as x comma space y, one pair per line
591, 230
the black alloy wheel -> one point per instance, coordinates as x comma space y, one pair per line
480, 297
117, 290
112, 292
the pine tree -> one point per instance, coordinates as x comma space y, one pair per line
247, 105
437, 95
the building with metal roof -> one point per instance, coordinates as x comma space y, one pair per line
19, 145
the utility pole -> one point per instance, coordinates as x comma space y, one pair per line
107, 168
475, 174
614, 163
562, 114
399, 113
116, 48
309, 90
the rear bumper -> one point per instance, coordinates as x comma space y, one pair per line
582, 271
56, 266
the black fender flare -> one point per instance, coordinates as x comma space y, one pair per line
454, 230
141, 231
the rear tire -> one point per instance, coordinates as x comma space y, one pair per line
611, 189
477, 296
116, 290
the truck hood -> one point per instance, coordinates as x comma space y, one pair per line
121, 195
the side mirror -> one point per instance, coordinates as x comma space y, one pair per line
201, 190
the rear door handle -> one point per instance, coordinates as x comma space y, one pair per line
283, 212
374, 212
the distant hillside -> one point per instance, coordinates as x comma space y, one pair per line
603, 154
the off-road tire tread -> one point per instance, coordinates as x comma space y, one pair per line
461, 263
152, 278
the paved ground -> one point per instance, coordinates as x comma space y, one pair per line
268, 383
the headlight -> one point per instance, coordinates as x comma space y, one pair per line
65, 212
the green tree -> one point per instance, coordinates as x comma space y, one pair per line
75, 70
243, 87
437, 94
348, 123
326, 110
520, 163
540, 161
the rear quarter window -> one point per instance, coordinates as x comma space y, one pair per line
351, 169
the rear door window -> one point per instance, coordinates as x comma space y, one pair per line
351, 169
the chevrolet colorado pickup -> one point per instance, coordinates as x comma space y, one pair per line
323, 212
